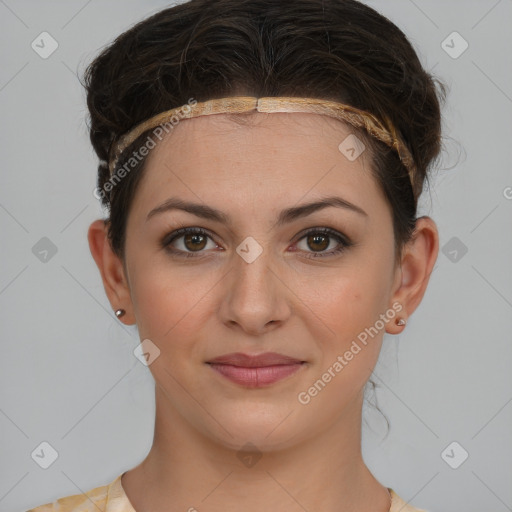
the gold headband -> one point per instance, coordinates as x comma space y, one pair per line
239, 104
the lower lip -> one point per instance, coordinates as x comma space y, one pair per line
256, 377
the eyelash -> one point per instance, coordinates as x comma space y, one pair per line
344, 243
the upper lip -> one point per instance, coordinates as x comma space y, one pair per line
254, 361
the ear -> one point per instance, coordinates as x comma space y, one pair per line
413, 274
111, 269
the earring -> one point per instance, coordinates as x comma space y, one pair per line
120, 313
400, 321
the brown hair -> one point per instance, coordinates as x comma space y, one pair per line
340, 50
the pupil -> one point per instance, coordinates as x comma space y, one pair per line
316, 239
198, 242
195, 239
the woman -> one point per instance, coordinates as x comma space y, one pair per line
261, 163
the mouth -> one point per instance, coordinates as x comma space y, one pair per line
255, 371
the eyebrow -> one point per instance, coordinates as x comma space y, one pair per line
285, 216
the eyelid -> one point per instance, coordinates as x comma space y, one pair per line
186, 230
341, 239
325, 230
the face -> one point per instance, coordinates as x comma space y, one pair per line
264, 274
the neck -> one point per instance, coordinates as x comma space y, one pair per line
186, 470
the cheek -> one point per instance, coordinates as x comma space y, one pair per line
353, 299
171, 302
346, 357
351, 305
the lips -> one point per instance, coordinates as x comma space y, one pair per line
256, 361
255, 371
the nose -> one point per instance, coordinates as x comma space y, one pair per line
255, 299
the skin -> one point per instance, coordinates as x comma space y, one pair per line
194, 309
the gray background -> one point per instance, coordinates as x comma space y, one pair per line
68, 374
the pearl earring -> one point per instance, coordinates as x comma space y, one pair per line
120, 313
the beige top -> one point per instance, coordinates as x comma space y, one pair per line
112, 498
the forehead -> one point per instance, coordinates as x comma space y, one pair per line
274, 158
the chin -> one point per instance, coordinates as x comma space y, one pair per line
267, 427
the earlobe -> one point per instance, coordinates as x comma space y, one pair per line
417, 263
111, 270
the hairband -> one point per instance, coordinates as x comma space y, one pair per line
240, 104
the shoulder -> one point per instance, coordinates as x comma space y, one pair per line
398, 504
95, 499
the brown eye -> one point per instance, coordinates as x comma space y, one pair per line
194, 242
316, 242
187, 241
